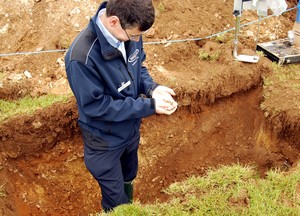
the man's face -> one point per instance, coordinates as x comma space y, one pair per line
133, 34
124, 34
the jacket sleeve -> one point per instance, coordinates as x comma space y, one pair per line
88, 89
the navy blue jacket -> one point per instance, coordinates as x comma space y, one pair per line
95, 72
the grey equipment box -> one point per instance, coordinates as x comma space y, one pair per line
280, 51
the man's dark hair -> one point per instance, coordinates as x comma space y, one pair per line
132, 13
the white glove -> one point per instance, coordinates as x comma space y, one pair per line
164, 102
166, 107
163, 91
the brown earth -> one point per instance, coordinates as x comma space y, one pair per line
219, 120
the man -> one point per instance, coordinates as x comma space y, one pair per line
114, 91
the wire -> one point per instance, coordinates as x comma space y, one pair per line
31, 53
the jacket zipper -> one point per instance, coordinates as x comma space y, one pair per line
122, 72
125, 78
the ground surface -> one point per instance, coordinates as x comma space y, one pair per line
219, 120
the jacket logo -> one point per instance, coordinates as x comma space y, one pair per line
134, 57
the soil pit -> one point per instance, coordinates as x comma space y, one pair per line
219, 120
232, 130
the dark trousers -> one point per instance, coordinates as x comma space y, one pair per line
111, 169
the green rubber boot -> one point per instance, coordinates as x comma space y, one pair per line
128, 187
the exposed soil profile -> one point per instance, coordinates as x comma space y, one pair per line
219, 120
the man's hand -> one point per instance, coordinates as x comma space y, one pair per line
163, 106
164, 102
163, 91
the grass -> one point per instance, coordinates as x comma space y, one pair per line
161, 7
1, 75
204, 55
222, 38
283, 82
285, 73
229, 190
2, 189
27, 105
